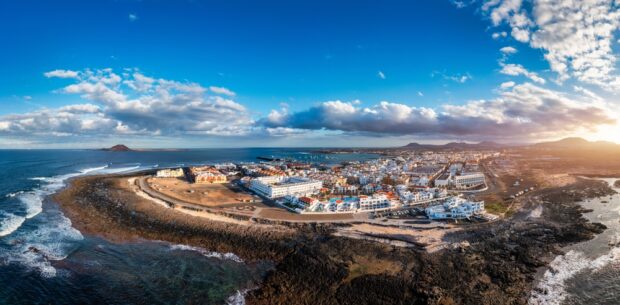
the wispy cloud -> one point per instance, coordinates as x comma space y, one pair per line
381, 75
458, 78
508, 50
516, 70
222, 91
61, 74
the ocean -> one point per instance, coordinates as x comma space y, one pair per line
44, 260
588, 272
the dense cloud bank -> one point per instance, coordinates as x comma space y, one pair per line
524, 110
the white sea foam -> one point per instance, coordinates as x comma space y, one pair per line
551, 290
204, 252
9, 223
33, 202
11, 195
119, 170
93, 169
238, 298
52, 238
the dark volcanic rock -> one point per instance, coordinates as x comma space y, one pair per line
314, 267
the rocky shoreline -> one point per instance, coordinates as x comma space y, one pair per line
494, 264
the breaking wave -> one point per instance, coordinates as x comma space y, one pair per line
33, 200
11, 195
118, 170
551, 290
9, 223
238, 298
224, 256
52, 237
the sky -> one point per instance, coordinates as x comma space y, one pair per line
306, 73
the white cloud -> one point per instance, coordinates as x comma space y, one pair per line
588, 94
65, 121
508, 50
516, 70
506, 85
80, 108
521, 35
576, 36
420, 93
222, 90
133, 17
133, 104
381, 75
498, 35
504, 11
61, 74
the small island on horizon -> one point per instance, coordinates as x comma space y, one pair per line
125, 148
118, 147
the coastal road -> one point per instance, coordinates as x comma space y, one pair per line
282, 215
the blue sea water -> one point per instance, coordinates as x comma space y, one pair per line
44, 260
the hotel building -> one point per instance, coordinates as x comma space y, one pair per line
280, 186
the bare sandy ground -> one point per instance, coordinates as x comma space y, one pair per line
431, 237
210, 195
210, 216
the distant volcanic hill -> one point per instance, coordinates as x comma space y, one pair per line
576, 143
598, 153
455, 146
119, 147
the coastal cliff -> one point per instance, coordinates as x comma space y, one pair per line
496, 265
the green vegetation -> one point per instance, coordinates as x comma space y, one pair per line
496, 207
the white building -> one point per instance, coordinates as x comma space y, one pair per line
460, 181
426, 195
280, 186
468, 180
170, 173
455, 208
374, 202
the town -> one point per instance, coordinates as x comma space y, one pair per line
437, 184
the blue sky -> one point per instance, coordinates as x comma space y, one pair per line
290, 58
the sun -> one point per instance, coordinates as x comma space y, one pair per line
606, 133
